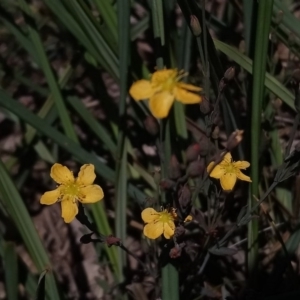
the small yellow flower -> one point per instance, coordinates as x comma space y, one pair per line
71, 190
162, 89
228, 172
158, 223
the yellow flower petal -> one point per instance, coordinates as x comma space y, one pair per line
161, 76
227, 158
140, 90
160, 104
188, 218
217, 172
153, 230
91, 194
186, 97
189, 87
228, 181
149, 215
86, 175
61, 174
50, 197
241, 164
242, 176
169, 228
69, 209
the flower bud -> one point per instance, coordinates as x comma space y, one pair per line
167, 184
205, 145
195, 168
185, 196
175, 252
215, 133
156, 175
234, 139
174, 171
112, 241
151, 125
193, 152
195, 26
205, 106
229, 74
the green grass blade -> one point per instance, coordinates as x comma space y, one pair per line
45, 65
265, 9
79, 153
10, 259
19, 214
123, 14
109, 16
108, 58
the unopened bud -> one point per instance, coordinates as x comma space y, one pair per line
215, 133
167, 184
185, 196
112, 241
229, 74
195, 168
156, 175
175, 252
277, 103
151, 125
205, 145
278, 17
205, 106
195, 26
234, 139
174, 171
193, 152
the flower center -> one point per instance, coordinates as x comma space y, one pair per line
165, 216
71, 189
230, 169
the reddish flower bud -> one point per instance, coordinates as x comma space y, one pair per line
176, 251
167, 184
112, 241
193, 152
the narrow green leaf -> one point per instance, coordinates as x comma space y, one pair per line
10, 259
19, 214
265, 9
45, 65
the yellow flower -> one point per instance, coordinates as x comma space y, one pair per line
71, 190
158, 223
228, 172
162, 89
